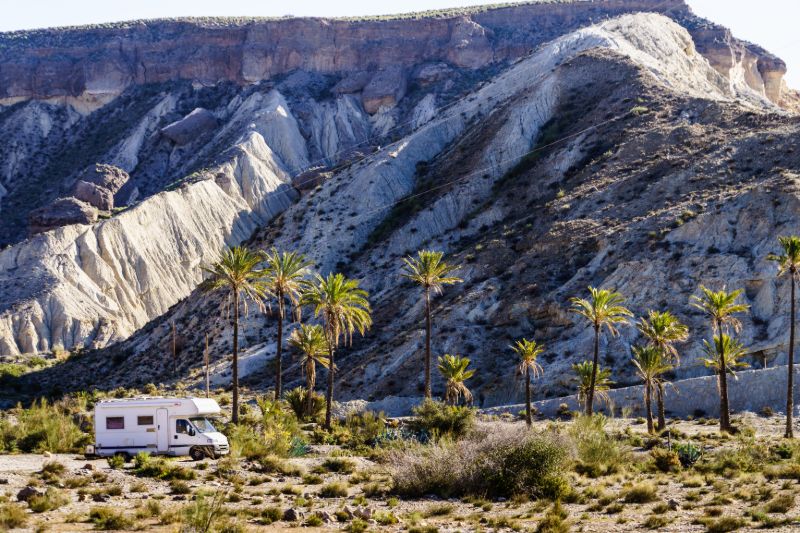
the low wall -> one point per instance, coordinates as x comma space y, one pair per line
752, 390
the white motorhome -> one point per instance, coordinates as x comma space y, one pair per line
160, 426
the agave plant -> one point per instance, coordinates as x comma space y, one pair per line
454, 371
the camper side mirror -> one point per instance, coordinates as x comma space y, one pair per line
192, 432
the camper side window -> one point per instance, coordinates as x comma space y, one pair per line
144, 420
115, 422
182, 426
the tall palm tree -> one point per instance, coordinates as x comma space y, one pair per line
663, 330
429, 270
309, 341
236, 273
723, 355
528, 352
344, 309
603, 309
454, 371
789, 263
284, 278
584, 371
650, 364
720, 306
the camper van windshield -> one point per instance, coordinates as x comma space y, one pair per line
203, 425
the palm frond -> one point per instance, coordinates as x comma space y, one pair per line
429, 270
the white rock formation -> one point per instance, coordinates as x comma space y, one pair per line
80, 285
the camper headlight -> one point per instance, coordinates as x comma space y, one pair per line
209, 440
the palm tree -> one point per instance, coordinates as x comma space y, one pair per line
789, 263
722, 355
344, 309
284, 280
663, 330
432, 273
585, 371
310, 343
650, 364
720, 307
237, 273
528, 352
603, 309
454, 371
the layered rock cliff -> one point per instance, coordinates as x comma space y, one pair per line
585, 161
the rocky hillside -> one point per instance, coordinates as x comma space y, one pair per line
649, 153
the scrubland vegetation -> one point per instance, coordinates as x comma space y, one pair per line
293, 461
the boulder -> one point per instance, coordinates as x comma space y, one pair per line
470, 46
353, 83
105, 176
432, 72
385, 89
95, 195
292, 515
27, 493
62, 212
190, 127
311, 179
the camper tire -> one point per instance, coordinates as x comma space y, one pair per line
197, 453
125, 456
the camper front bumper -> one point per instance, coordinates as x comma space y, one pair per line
221, 449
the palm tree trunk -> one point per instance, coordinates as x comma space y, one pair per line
278, 349
235, 417
590, 396
528, 419
790, 377
428, 392
662, 419
724, 405
329, 395
648, 405
311, 381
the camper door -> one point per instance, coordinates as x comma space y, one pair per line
162, 430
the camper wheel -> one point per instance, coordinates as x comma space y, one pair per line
197, 453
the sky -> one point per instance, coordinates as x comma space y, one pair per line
769, 23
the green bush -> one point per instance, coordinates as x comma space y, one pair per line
598, 453
274, 433
12, 516
50, 500
555, 520
270, 515
502, 462
108, 518
437, 420
641, 493
204, 512
341, 465
333, 490
161, 468
366, 427
296, 398
665, 460
115, 462
43, 427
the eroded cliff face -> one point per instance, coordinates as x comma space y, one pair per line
614, 156
447, 145
95, 64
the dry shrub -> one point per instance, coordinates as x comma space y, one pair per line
499, 462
